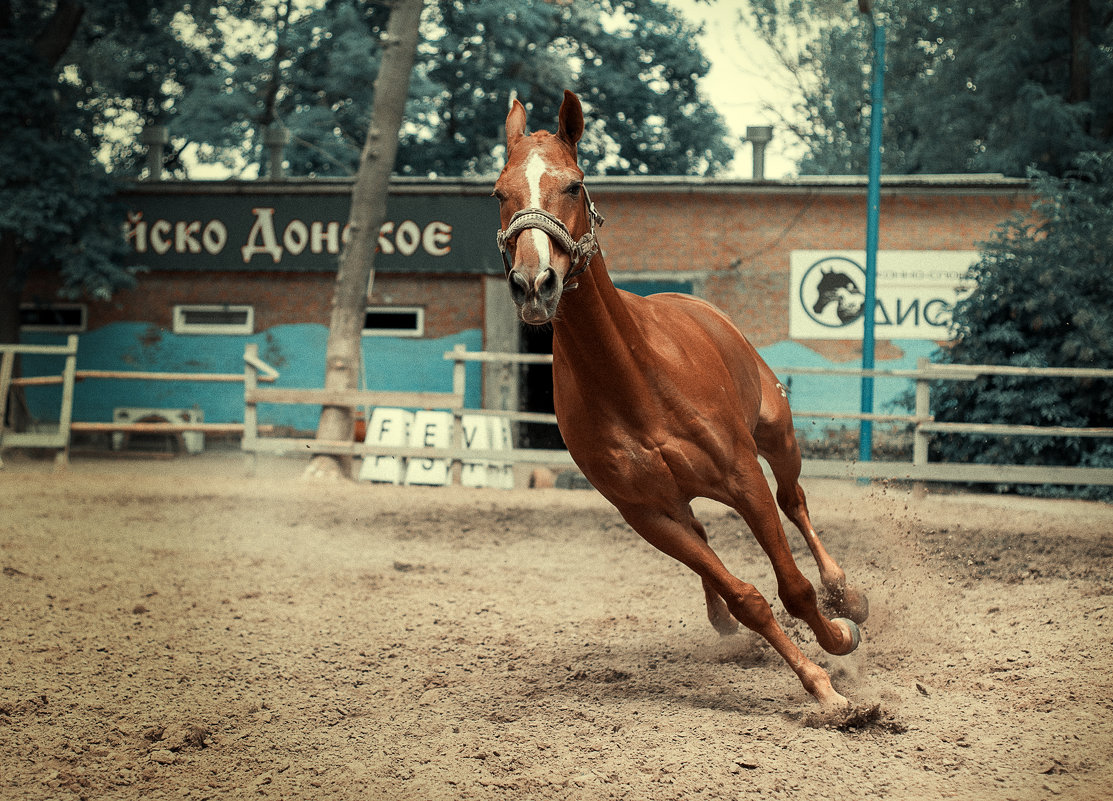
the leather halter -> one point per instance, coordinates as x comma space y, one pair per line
578, 249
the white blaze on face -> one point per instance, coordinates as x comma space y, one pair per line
535, 169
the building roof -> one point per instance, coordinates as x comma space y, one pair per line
978, 183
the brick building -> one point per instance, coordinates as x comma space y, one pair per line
227, 263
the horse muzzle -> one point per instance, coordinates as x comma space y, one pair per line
536, 296
541, 251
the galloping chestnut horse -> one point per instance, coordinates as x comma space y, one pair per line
661, 400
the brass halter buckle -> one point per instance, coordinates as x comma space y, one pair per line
580, 250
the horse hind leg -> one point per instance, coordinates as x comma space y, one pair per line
784, 458
717, 610
680, 540
754, 501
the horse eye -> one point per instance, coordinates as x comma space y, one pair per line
574, 189
499, 196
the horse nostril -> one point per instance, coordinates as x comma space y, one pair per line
518, 287
547, 284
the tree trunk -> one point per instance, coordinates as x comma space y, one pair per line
343, 353
55, 37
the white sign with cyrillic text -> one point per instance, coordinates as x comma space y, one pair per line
915, 293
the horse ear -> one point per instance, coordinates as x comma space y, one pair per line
515, 124
570, 119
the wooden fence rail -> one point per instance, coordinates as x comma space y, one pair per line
60, 438
452, 402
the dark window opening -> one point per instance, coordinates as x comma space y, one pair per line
232, 317
52, 318
394, 321
215, 319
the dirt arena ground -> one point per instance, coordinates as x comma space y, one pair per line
175, 629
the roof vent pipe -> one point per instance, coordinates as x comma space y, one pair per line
155, 137
759, 136
275, 138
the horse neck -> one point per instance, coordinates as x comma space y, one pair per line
595, 324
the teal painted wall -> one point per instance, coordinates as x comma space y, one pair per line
823, 393
296, 351
390, 363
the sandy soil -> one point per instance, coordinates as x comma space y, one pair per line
174, 629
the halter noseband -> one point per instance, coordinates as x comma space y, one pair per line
580, 249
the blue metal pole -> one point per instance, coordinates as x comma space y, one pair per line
873, 214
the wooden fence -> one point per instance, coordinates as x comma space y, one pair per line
920, 420
59, 438
456, 453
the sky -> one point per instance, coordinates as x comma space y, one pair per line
743, 80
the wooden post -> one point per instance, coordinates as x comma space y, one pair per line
250, 411
7, 360
920, 437
459, 384
65, 417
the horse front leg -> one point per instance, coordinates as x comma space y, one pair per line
676, 536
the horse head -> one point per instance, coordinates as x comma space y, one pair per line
547, 234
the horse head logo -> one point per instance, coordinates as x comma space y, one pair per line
840, 289
830, 293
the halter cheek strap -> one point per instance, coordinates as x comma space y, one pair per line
579, 250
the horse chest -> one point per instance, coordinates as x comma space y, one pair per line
626, 432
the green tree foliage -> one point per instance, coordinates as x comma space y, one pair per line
76, 76
83, 79
636, 61
979, 86
53, 193
1042, 298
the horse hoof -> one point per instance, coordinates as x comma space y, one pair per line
857, 605
849, 603
852, 628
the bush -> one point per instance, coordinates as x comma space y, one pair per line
1042, 297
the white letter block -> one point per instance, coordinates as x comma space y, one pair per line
476, 433
388, 427
501, 474
430, 430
